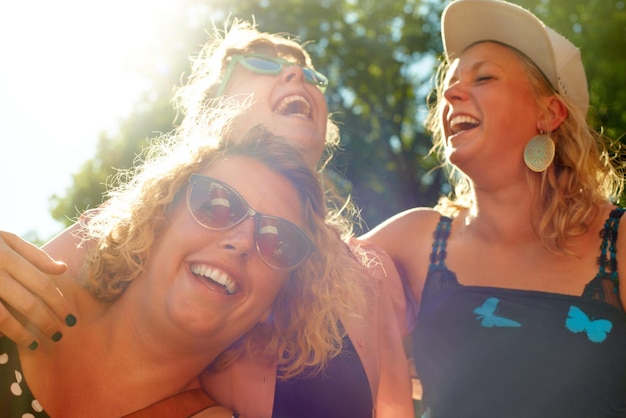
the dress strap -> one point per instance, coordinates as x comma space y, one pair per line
441, 234
605, 286
439, 278
607, 258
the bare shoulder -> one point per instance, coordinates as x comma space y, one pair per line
373, 256
407, 239
66, 246
409, 225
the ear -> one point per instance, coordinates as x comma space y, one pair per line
556, 112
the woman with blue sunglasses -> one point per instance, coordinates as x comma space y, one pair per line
271, 81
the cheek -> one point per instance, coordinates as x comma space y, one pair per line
320, 99
514, 100
267, 292
514, 118
181, 232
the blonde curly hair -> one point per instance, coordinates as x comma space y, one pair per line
305, 327
585, 171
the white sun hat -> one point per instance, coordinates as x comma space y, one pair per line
465, 22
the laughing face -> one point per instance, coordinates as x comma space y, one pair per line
285, 104
213, 283
490, 111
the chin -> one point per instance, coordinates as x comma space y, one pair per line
310, 144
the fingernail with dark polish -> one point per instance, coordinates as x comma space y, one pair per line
57, 336
70, 320
33, 345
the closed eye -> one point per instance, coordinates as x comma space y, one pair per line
484, 78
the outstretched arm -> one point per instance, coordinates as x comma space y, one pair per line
407, 239
28, 298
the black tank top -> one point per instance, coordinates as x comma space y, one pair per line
491, 352
340, 391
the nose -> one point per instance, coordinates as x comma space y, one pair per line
239, 240
292, 73
455, 91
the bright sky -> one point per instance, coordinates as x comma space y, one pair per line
61, 84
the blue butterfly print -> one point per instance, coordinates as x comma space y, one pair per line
486, 312
596, 329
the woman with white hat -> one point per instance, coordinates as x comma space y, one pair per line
521, 314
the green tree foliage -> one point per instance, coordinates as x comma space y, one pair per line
380, 57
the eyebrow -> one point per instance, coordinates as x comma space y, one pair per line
472, 69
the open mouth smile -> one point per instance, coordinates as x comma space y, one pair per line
462, 123
293, 106
215, 277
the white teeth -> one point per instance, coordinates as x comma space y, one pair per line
462, 123
463, 119
215, 275
294, 105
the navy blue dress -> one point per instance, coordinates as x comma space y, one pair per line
491, 352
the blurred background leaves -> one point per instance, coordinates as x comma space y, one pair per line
380, 57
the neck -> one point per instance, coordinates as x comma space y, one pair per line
118, 350
508, 214
127, 336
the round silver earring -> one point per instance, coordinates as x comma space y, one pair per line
539, 153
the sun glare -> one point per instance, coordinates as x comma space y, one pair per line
64, 79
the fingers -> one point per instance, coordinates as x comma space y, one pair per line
15, 331
27, 294
10, 244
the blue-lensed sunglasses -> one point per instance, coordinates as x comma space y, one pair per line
262, 64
